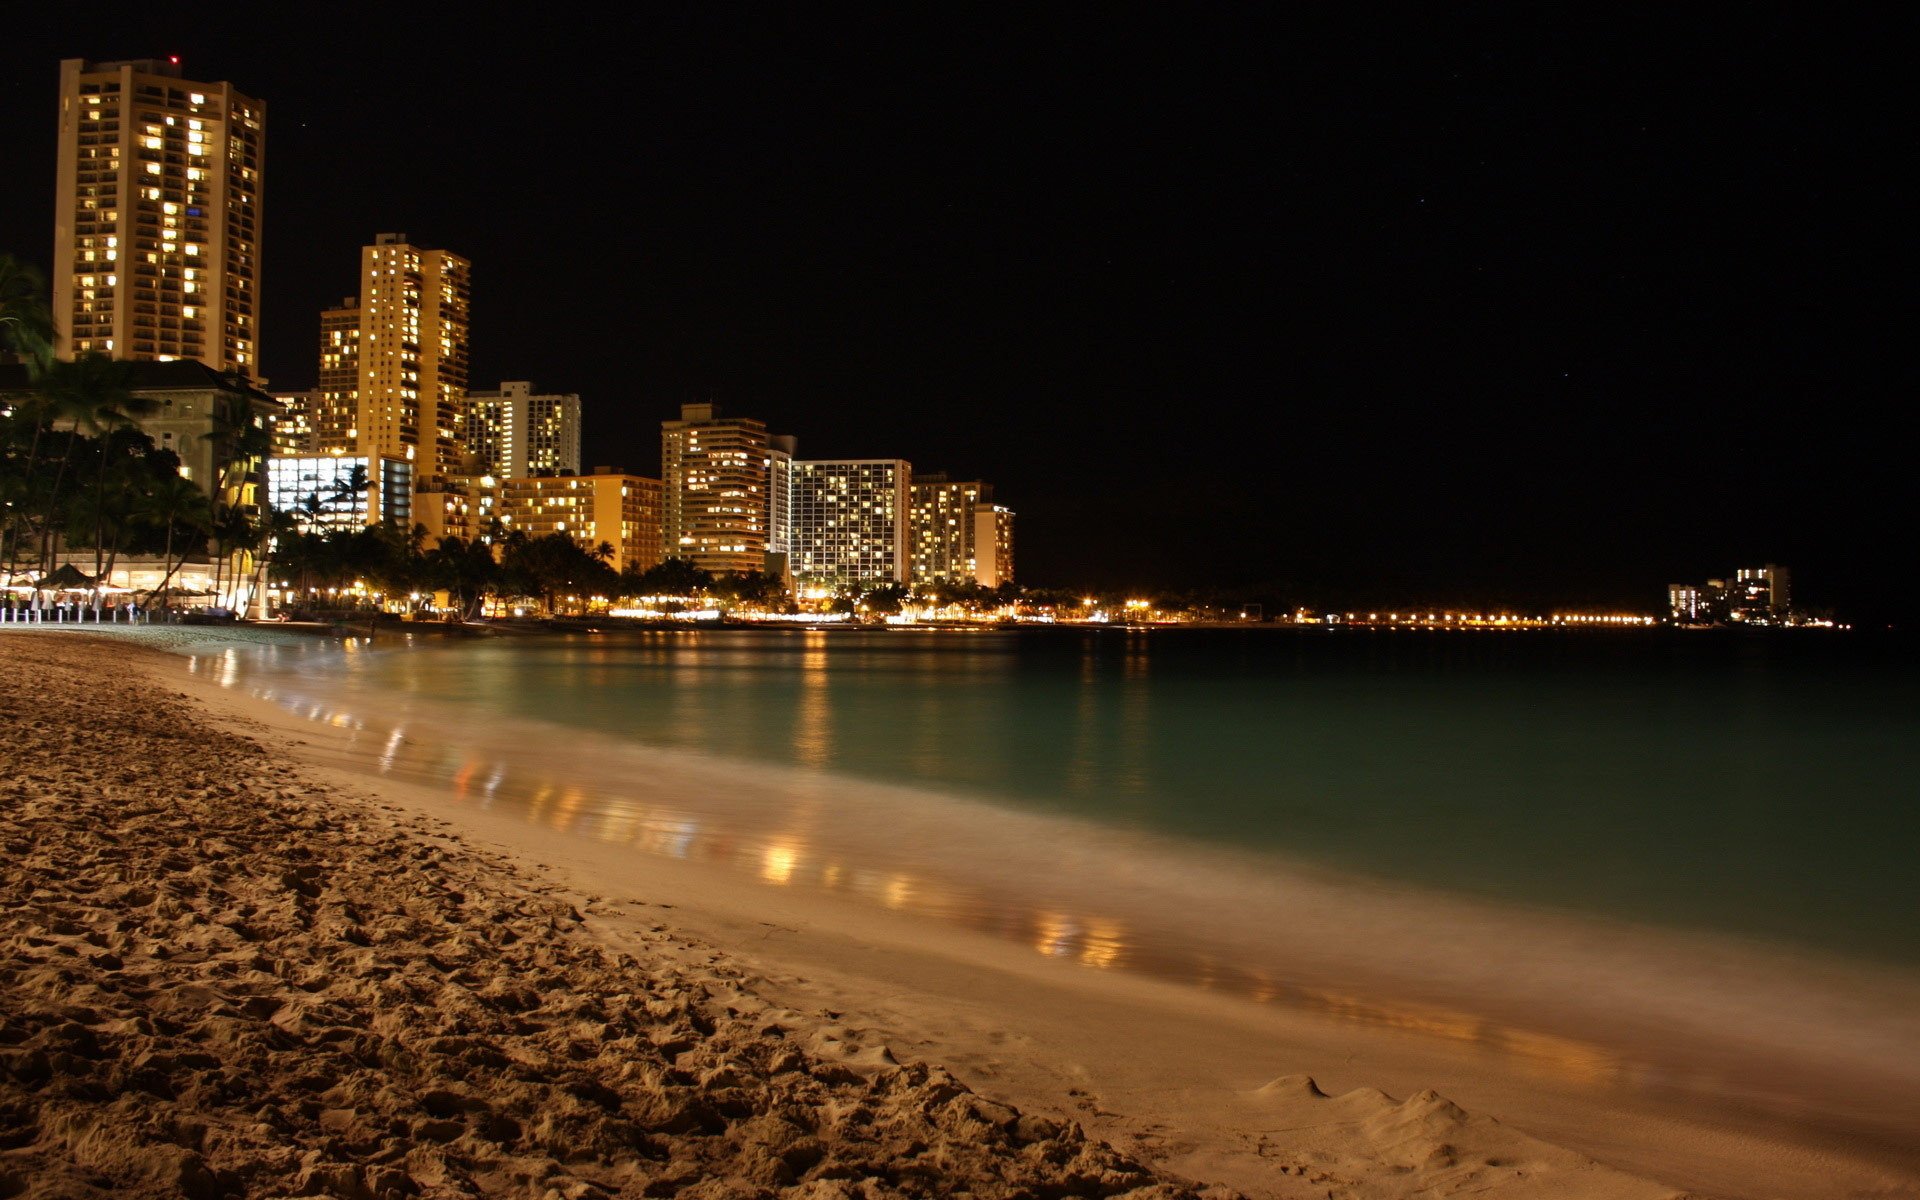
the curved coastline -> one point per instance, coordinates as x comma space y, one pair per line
1372, 963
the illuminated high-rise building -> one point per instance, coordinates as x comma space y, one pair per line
780, 451
1761, 595
515, 433
293, 435
412, 392
851, 521
993, 545
335, 416
946, 527
157, 216
714, 483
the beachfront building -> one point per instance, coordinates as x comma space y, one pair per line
851, 520
293, 431
1754, 596
220, 427
336, 403
156, 251
993, 546
714, 490
780, 452
414, 305
608, 508
1761, 595
392, 378
513, 432
341, 491
959, 534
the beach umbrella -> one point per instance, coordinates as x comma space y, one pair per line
67, 578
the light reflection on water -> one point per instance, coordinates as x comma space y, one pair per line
799, 825
789, 853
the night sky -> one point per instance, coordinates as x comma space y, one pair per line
1356, 306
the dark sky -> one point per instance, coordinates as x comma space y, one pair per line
1373, 305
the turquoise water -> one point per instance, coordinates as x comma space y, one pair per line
1762, 786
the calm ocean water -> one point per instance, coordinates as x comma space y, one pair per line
1764, 786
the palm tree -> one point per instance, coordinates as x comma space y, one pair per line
94, 393
175, 503
234, 530
114, 451
26, 324
26, 331
239, 443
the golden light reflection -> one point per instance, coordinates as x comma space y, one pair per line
1054, 934
813, 719
1564, 1057
565, 813
617, 825
776, 865
1102, 946
1086, 939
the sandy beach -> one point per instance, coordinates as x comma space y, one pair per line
235, 969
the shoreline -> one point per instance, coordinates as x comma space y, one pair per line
1196, 1105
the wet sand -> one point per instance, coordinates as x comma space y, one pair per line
1188, 1085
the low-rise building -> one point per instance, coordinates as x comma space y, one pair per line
607, 507
342, 491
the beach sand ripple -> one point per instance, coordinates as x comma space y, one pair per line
221, 980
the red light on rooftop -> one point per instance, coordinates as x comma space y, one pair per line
174, 59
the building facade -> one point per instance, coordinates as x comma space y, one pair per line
993, 546
1761, 595
157, 216
337, 383
412, 385
293, 432
715, 480
780, 452
515, 433
341, 491
959, 535
851, 521
608, 506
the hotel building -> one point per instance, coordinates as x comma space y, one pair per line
157, 216
341, 491
412, 393
293, 432
514, 433
959, 534
1761, 595
714, 490
335, 415
993, 546
620, 510
851, 521
780, 452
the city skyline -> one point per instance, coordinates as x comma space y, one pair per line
1535, 342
